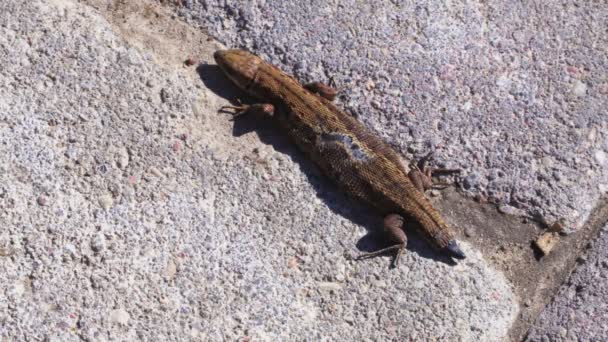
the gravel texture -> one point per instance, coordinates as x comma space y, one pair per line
130, 211
580, 311
515, 94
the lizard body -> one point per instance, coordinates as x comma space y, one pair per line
359, 162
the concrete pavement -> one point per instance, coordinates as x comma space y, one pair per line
134, 211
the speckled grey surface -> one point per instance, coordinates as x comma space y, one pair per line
131, 211
513, 93
579, 312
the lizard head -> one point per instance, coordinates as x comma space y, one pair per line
240, 66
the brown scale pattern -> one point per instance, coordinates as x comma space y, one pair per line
363, 165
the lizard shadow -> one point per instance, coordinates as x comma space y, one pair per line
338, 202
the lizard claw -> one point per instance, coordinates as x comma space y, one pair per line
235, 111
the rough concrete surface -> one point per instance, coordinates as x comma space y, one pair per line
580, 310
131, 210
514, 93
535, 279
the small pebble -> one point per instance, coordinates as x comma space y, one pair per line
378, 283
340, 269
547, 161
370, 85
120, 316
42, 200
546, 242
557, 227
572, 70
132, 180
177, 146
98, 243
481, 198
170, 270
470, 182
509, 210
6, 250
122, 158
468, 232
580, 88
503, 82
103, 168
190, 61
106, 201
434, 193
293, 263
600, 157
329, 286
164, 96
156, 172
70, 249
581, 259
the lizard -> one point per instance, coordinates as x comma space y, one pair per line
359, 162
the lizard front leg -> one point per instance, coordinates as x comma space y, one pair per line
242, 109
422, 175
393, 228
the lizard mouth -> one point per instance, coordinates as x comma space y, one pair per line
453, 250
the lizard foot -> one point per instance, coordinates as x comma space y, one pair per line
242, 109
393, 227
325, 91
399, 248
422, 175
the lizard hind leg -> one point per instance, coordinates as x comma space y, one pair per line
328, 92
393, 228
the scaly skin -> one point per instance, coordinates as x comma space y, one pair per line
359, 162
